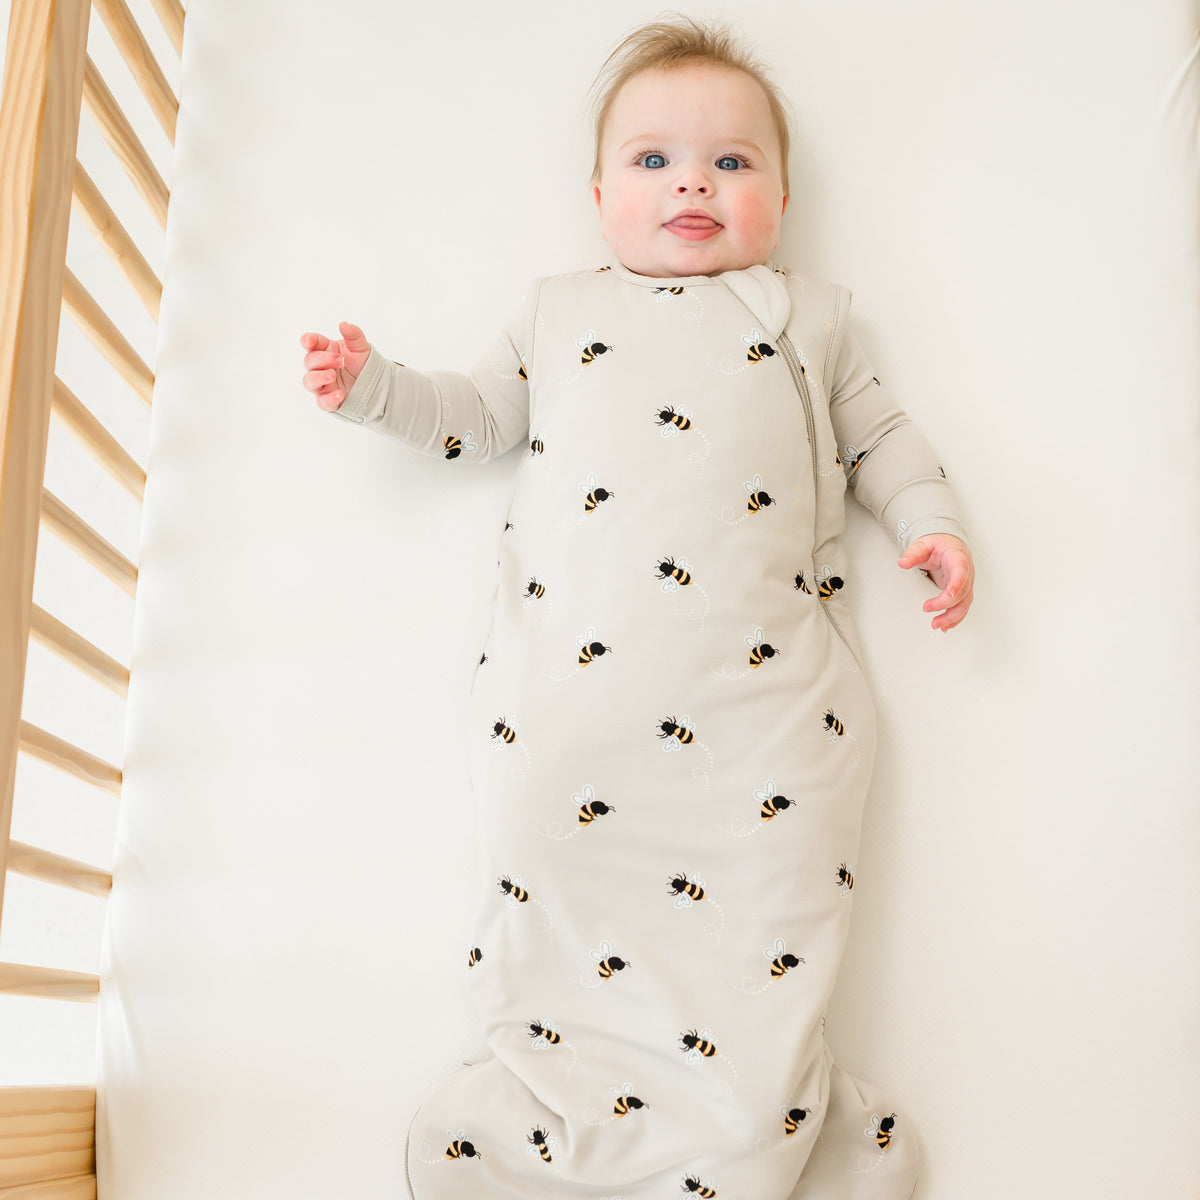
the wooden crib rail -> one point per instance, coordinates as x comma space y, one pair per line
46, 1134
48, 1143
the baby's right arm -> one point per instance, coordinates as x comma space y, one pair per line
331, 367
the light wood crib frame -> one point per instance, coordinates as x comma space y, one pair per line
47, 1134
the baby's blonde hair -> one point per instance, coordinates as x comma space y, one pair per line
678, 42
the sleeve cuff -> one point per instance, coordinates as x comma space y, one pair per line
366, 398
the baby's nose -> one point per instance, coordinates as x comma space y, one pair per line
698, 185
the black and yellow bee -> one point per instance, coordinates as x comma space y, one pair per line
692, 1184
625, 1100
771, 803
664, 292
683, 887
758, 497
854, 456
669, 728
759, 649
601, 270
540, 1143
500, 730
828, 583
607, 962
589, 650
523, 374
845, 877
881, 1129
668, 569
513, 891
792, 1118
801, 586
475, 956
461, 1148
535, 589
695, 1044
781, 961
758, 349
833, 723
668, 416
592, 494
591, 348
593, 809
537, 446
454, 446
538, 1030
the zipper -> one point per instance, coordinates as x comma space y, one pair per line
801, 381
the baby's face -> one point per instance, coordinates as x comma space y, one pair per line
690, 180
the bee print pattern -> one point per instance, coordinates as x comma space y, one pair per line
833, 724
792, 1118
688, 891
537, 446
590, 649
542, 1144
626, 1101
672, 422
591, 348
675, 574
801, 585
852, 458
676, 734
593, 496
455, 446
606, 966
828, 583
759, 498
781, 960
845, 878
757, 348
770, 805
516, 896
504, 738
697, 1046
544, 1034
881, 1129
692, 1185
759, 650
587, 811
534, 590
474, 957
665, 293
461, 1147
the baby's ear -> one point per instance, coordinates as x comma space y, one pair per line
596, 196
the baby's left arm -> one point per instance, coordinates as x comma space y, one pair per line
947, 561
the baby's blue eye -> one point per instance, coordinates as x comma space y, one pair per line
653, 160
729, 163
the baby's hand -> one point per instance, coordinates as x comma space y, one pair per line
947, 561
331, 367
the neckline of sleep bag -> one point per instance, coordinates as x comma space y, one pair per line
760, 288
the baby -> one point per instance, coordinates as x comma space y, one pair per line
669, 729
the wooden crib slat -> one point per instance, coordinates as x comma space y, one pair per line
82, 538
39, 127
140, 60
170, 13
69, 758
124, 143
18, 979
36, 863
104, 448
78, 651
106, 337
111, 234
47, 1143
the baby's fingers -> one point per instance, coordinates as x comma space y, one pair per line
315, 341
952, 616
318, 360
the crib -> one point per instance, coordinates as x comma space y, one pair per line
1023, 920
47, 1134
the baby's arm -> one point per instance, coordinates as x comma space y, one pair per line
444, 413
896, 475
